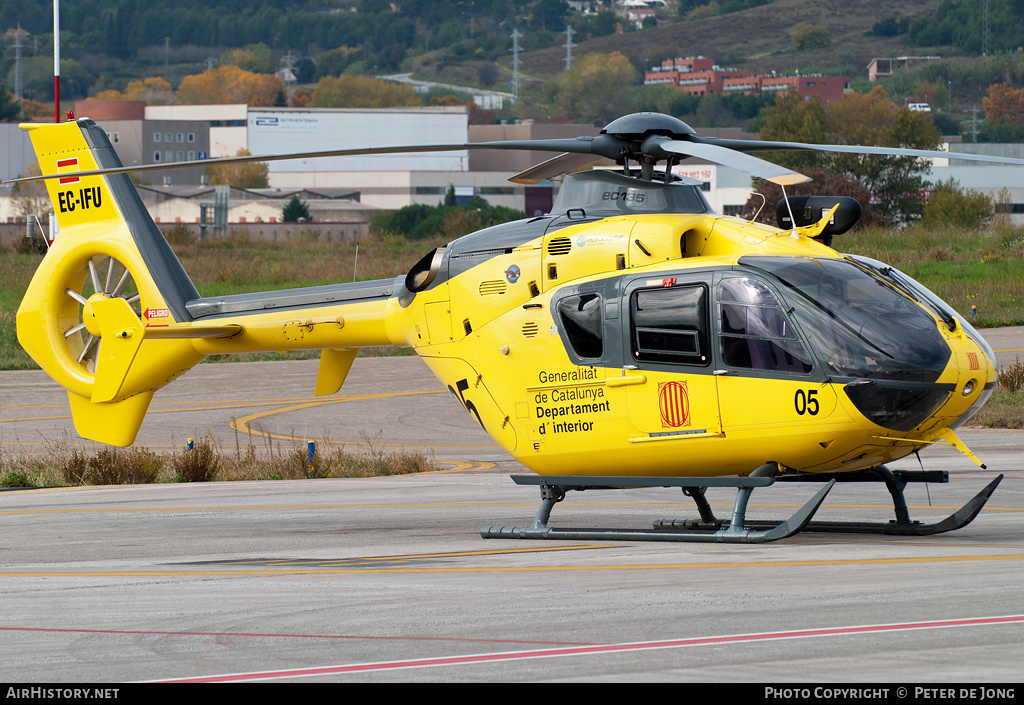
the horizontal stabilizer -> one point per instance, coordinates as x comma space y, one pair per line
193, 332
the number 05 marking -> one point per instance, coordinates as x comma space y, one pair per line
462, 385
806, 402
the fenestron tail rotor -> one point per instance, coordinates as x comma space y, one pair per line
101, 277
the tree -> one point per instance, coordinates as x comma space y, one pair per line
597, 88
301, 97
872, 119
891, 27
953, 207
334, 62
256, 58
154, 90
806, 36
362, 92
10, 110
34, 110
419, 221
229, 84
296, 211
548, 14
240, 174
896, 183
603, 23
448, 99
793, 119
37, 78
1004, 103
946, 124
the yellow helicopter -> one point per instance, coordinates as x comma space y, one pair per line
631, 337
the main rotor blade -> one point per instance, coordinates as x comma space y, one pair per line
737, 160
767, 146
553, 167
601, 146
253, 158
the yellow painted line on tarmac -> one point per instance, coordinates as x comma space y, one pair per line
238, 402
376, 505
515, 569
225, 404
261, 507
414, 556
36, 418
243, 425
460, 466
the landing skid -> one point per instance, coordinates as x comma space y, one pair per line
736, 530
902, 525
710, 529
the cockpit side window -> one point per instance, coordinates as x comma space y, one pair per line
671, 325
581, 320
753, 331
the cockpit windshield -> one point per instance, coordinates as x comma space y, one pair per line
860, 325
921, 293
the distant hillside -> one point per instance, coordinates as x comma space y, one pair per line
108, 43
759, 38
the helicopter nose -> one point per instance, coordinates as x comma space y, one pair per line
976, 378
947, 401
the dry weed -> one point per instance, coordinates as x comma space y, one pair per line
1012, 378
115, 466
198, 464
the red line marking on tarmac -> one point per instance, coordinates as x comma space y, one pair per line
597, 649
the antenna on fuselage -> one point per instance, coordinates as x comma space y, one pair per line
792, 220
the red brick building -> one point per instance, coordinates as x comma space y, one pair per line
700, 76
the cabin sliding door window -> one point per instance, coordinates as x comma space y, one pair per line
670, 325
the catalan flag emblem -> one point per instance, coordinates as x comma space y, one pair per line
674, 404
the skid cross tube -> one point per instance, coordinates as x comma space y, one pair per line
708, 530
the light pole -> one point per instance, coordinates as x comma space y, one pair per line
56, 60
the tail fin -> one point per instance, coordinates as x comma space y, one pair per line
109, 250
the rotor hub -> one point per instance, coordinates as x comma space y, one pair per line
88, 317
639, 125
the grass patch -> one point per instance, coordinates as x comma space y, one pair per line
66, 465
16, 479
983, 270
1005, 409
